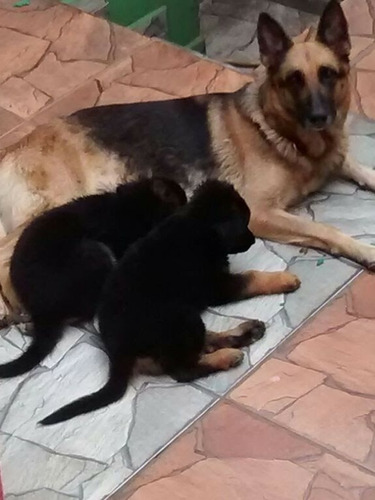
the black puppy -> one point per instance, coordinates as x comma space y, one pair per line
152, 301
63, 257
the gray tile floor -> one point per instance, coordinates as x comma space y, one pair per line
229, 27
90, 456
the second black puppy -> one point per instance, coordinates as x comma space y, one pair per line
63, 257
152, 301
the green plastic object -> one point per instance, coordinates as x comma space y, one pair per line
182, 18
21, 3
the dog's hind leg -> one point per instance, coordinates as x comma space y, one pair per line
10, 308
182, 341
281, 226
243, 335
208, 363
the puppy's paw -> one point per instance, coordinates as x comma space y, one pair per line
250, 332
230, 358
288, 282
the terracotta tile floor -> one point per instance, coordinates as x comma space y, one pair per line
55, 59
361, 17
299, 428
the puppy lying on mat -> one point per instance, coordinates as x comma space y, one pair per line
152, 302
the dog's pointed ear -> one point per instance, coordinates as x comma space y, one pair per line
333, 30
273, 42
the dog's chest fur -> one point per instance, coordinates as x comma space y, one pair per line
267, 168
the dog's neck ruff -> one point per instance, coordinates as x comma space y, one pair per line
250, 102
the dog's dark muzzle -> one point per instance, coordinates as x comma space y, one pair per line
318, 112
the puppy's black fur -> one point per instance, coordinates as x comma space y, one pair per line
63, 257
152, 301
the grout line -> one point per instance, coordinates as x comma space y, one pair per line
324, 447
185, 429
361, 55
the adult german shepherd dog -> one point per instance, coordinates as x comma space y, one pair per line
276, 141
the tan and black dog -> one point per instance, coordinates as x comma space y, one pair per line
276, 141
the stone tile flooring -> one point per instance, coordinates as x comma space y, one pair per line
54, 60
229, 27
230, 30
361, 17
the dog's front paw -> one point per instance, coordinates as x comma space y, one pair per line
227, 358
283, 282
370, 266
288, 282
251, 331
369, 261
233, 357
366, 256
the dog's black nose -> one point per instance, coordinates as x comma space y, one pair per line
318, 120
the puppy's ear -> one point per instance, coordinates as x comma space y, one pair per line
274, 43
333, 30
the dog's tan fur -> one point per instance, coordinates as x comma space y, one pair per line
55, 163
49, 167
270, 158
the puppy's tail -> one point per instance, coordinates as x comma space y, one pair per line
46, 336
111, 392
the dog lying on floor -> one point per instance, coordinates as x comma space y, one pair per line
64, 256
153, 300
276, 141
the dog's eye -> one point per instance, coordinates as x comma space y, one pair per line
296, 79
327, 74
